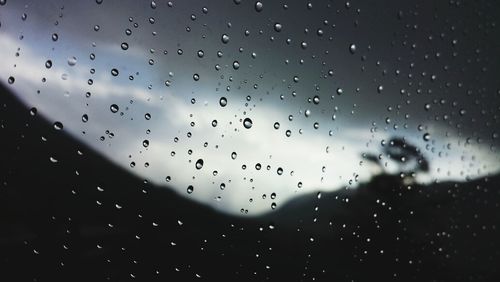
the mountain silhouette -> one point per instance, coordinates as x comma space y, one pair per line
67, 213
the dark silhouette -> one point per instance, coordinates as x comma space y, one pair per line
57, 225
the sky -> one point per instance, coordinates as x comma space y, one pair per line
361, 73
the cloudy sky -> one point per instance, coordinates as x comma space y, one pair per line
341, 80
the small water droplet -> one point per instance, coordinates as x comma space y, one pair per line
223, 101
72, 61
352, 48
247, 123
225, 38
278, 27
199, 164
114, 108
58, 125
259, 6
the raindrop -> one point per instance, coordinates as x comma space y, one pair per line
234, 155
114, 108
352, 48
276, 125
225, 38
124, 45
200, 53
236, 65
114, 72
48, 64
196, 77
427, 137
247, 123
55, 37
11, 80
199, 164
278, 27
145, 143
147, 116
223, 101
85, 118
58, 125
280, 172
190, 189
259, 6
72, 61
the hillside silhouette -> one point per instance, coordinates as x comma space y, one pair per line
82, 218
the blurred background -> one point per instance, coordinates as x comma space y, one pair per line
249, 141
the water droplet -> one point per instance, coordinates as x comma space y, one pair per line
214, 123
124, 45
11, 80
196, 77
200, 53
58, 125
48, 64
225, 38
247, 123
190, 189
55, 37
72, 61
316, 100
278, 27
114, 108
339, 91
234, 155
236, 65
145, 143
427, 137
259, 6
352, 48
276, 125
147, 116
114, 72
223, 101
380, 88
279, 171
85, 118
199, 164
33, 111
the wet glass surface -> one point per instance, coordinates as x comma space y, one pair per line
249, 141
